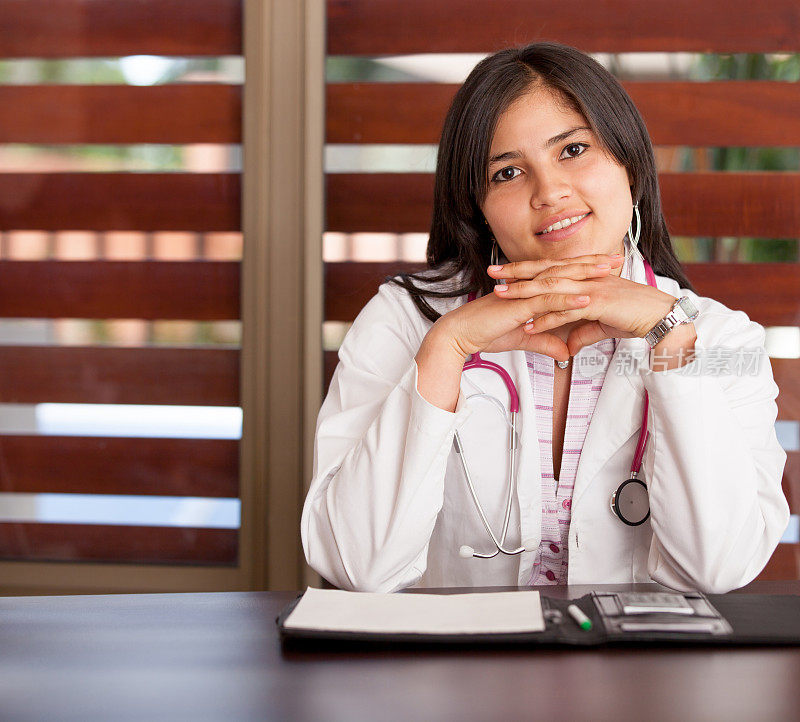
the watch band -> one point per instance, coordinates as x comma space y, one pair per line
682, 311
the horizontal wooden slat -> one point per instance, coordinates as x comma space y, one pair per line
791, 481
714, 114
763, 205
348, 286
191, 290
120, 201
787, 376
386, 112
186, 113
34, 374
784, 564
106, 543
767, 292
786, 372
391, 27
331, 358
88, 28
392, 202
696, 204
157, 467
742, 286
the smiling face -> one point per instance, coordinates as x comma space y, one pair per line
553, 190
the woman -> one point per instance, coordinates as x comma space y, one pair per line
545, 164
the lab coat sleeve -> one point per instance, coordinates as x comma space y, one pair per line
380, 455
713, 461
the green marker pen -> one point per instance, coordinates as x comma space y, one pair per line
580, 618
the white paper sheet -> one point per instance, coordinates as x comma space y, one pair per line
477, 613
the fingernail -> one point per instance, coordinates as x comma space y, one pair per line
493, 269
529, 327
602, 265
582, 299
501, 288
616, 255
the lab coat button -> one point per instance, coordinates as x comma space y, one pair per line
549, 574
554, 549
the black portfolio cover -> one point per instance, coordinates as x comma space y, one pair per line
749, 619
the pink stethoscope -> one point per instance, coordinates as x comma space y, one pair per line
629, 502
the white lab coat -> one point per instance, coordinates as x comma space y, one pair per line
389, 507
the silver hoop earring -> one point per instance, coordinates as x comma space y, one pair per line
635, 239
632, 246
494, 254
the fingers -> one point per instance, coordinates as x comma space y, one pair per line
554, 319
554, 279
546, 344
531, 269
530, 311
585, 334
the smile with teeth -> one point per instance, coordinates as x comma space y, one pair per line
558, 225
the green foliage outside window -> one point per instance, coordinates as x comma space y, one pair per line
785, 68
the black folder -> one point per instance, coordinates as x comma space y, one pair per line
723, 619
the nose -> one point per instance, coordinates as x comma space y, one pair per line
550, 188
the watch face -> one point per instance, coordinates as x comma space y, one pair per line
686, 305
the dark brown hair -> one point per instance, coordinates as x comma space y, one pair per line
460, 242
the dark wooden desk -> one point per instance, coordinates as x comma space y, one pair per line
217, 657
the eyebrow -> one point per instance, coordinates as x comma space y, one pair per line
555, 140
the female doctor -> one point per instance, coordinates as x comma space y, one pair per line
644, 445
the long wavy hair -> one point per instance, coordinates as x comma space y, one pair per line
460, 242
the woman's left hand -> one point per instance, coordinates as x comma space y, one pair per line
618, 307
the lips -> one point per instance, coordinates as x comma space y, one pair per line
558, 234
560, 221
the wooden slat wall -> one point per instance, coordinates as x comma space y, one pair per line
392, 27
100, 375
107, 543
786, 373
112, 28
120, 201
737, 285
121, 113
756, 113
196, 291
158, 467
695, 204
677, 113
784, 564
190, 290
693, 114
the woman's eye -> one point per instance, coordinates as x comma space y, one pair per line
506, 174
573, 150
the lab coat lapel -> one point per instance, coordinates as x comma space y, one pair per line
529, 479
529, 486
617, 415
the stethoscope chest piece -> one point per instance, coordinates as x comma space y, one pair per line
630, 502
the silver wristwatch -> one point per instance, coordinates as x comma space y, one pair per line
682, 311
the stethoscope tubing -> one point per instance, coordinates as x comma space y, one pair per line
476, 361
499, 545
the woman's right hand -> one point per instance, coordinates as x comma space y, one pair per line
495, 324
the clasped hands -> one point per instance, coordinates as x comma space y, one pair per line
580, 294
